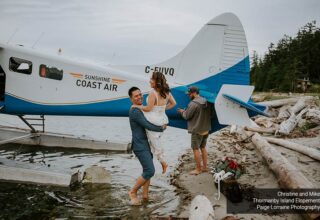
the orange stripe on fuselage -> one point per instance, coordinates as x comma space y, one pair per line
78, 75
118, 81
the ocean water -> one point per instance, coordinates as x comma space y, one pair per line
23, 201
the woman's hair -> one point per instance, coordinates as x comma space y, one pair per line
161, 84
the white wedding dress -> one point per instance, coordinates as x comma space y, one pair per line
157, 116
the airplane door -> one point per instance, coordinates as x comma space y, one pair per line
2, 84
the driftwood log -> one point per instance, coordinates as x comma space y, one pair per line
264, 121
309, 151
301, 103
284, 112
288, 176
261, 130
288, 125
313, 115
281, 102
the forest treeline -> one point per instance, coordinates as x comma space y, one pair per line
286, 64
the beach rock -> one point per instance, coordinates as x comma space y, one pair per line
96, 175
201, 209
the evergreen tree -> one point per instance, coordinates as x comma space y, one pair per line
291, 59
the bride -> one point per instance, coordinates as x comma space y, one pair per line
159, 100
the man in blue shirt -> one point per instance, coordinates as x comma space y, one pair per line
140, 145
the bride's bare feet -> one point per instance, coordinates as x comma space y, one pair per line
134, 198
195, 172
164, 167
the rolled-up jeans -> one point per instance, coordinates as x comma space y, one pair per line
146, 160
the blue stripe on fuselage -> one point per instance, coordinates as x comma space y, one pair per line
237, 74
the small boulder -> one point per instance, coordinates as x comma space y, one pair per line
96, 175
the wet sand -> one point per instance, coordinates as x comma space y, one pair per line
258, 175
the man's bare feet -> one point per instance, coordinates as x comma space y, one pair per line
164, 167
195, 172
134, 199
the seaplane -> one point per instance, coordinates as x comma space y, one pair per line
216, 61
34, 84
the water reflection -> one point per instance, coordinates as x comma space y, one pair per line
89, 201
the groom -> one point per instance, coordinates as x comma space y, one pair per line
140, 145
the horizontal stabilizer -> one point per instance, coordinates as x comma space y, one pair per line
230, 112
246, 105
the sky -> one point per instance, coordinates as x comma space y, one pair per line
142, 31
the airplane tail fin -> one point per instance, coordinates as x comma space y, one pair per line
217, 55
216, 61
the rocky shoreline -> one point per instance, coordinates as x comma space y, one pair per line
257, 174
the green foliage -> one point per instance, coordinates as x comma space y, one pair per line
307, 126
291, 59
315, 88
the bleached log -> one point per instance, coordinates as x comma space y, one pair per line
288, 176
298, 106
243, 134
287, 126
309, 151
281, 102
284, 112
261, 130
264, 121
313, 115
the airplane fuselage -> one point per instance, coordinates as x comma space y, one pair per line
54, 85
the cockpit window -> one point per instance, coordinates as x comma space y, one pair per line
50, 72
20, 65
